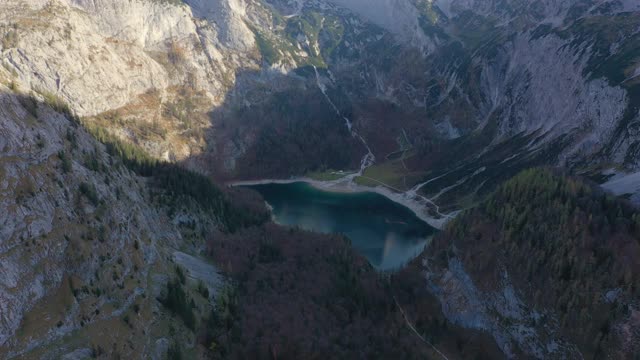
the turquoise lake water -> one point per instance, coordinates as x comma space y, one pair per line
388, 234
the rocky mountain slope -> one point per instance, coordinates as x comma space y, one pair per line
88, 244
206, 82
439, 101
548, 265
106, 253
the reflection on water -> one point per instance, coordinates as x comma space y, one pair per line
387, 233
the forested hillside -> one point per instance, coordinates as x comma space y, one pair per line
570, 251
302, 295
120, 121
123, 269
176, 185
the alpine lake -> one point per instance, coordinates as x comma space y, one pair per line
388, 234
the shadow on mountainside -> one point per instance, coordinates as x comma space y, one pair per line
299, 294
272, 125
275, 126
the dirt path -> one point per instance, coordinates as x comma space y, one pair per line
410, 325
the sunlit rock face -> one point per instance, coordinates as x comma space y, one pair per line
456, 65
399, 17
206, 82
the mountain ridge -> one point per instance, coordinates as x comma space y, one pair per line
442, 107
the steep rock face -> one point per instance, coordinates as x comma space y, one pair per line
132, 57
542, 77
229, 19
400, 17
448, 65
81, 241
62, 50
501, 312
102, 55
541, 86
565, 79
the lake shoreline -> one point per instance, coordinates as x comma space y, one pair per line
388, 234
341, 186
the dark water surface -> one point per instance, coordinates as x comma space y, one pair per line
387, 233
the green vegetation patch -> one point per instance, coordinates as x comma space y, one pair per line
390, 173
268, 49
327, 175
179, 303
